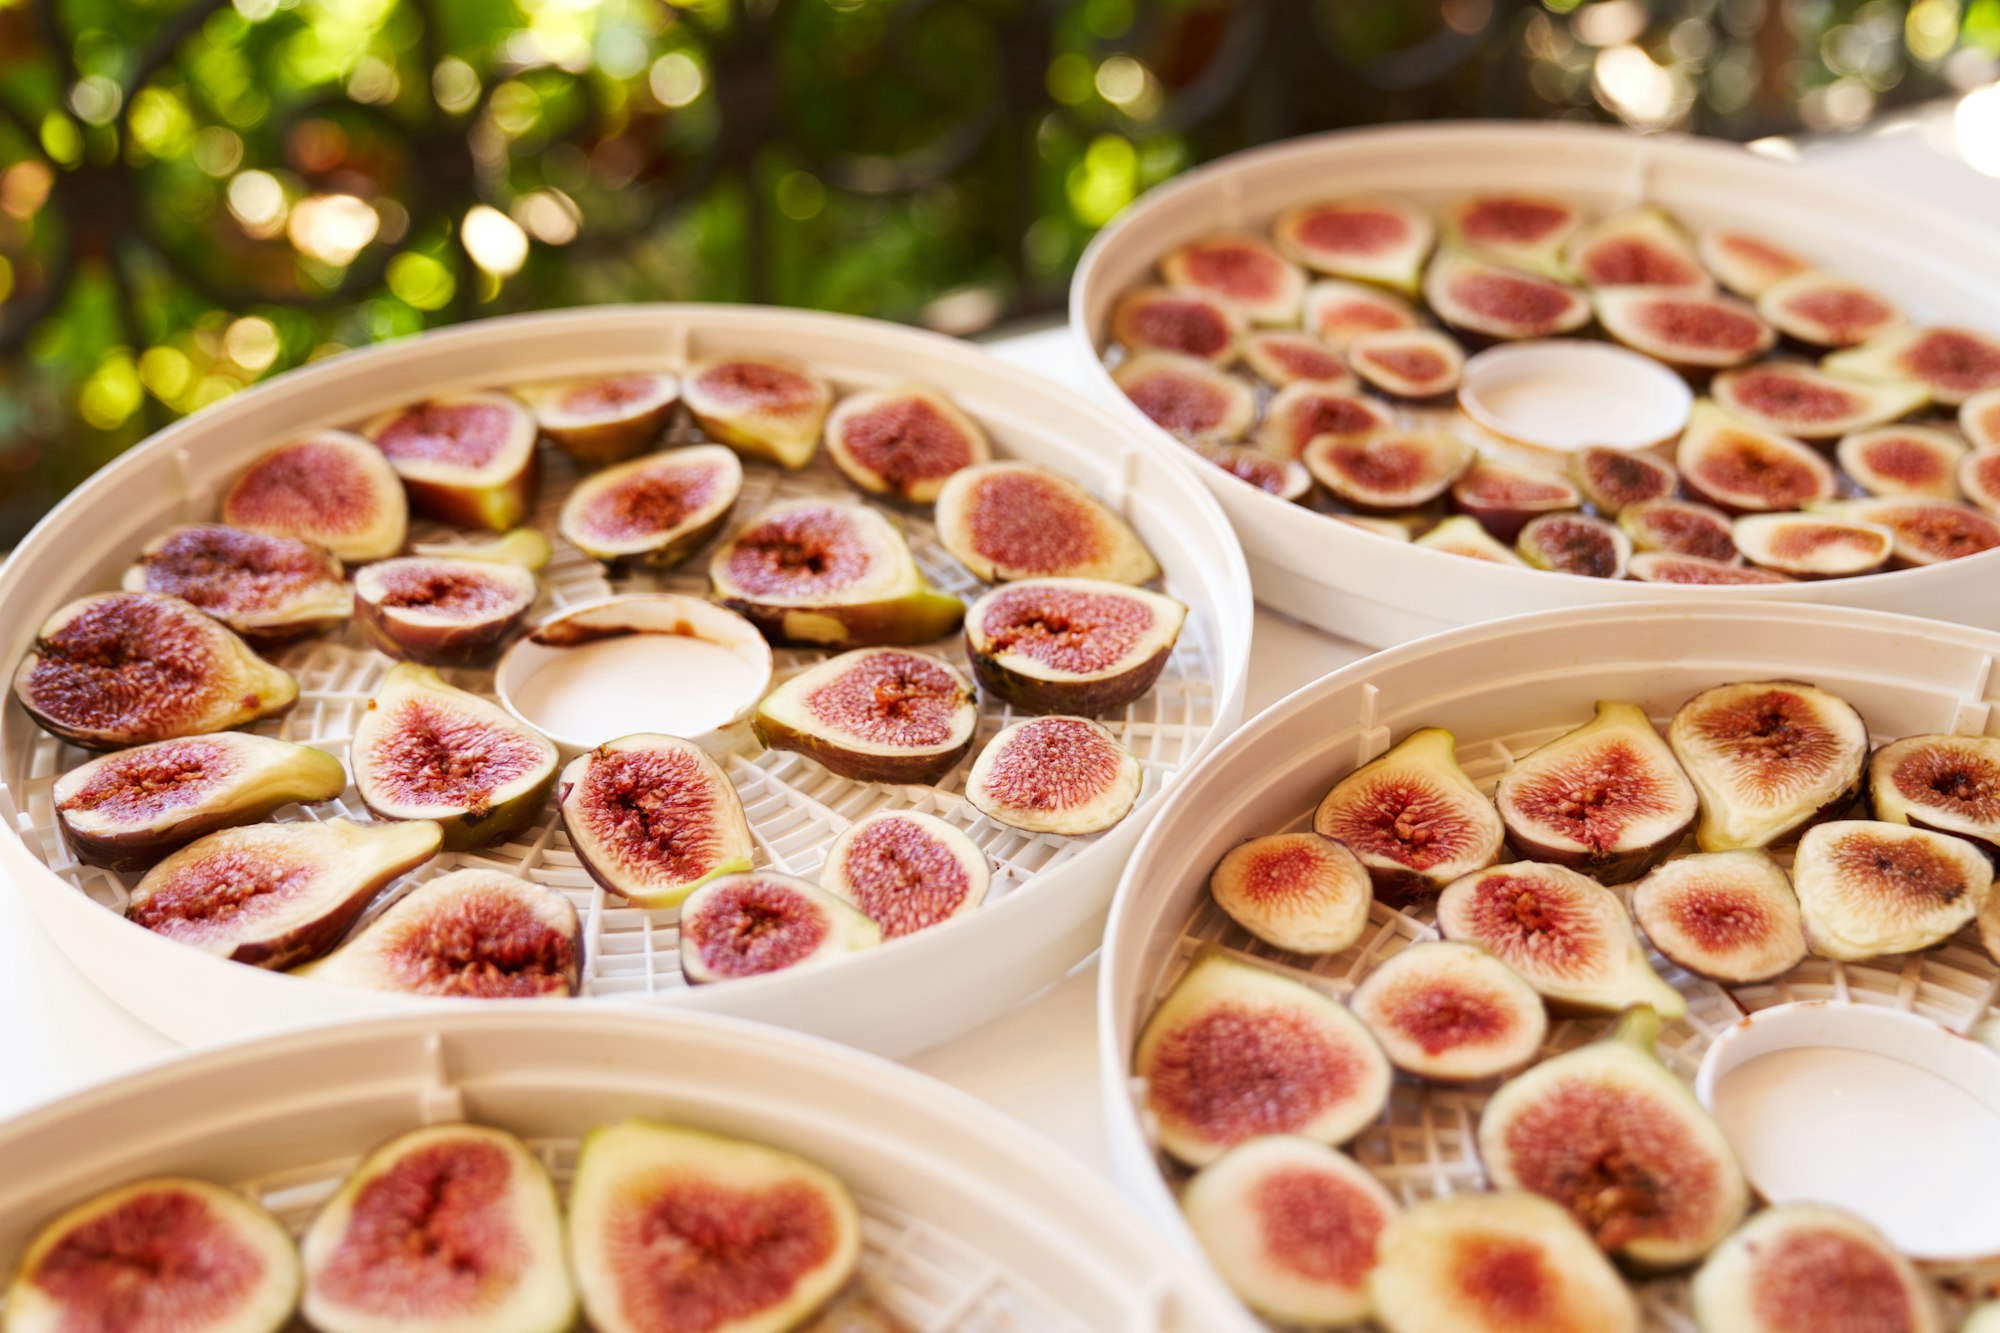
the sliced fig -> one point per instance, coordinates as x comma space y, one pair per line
1503, 496
1744, 469
1070, 645
1055, 775
1607, 1132
1947, 783
1413, 817
1809, 404
442, 612
523, 548
653, 512
1924, 532
426, 750
125, 668
1746, 264
1689, 330
471, 934
1979, 478
1304, 412
1639, 248
768, 407
1159, 319
1373, 240
1608, 798
1568, 936
1395, 529
1500, 304
825, 573
1678, 527
267, 588
746, 925
330, 488
1291, 1225
1235, 1052
902, 443
1418, 365
1767, 758
602, 419
1813, 546
1903, 460
1614, 480
1463, 535
1695, 571
1451, 1013
1284, 478
1018, 521
1525, 231
1301, 892
1822, 311
1387, 471
1575, 544
1335, 312
1242, 271
652, 818
276, 895
1979, 418
1187, 397
1943, 365
126, 810
466, 458
669, 1225
169, 1253
1729, 916
907, 871
1869, 888
1808, 1268
1286, 356
874, 715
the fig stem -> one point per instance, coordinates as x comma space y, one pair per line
1639, 1027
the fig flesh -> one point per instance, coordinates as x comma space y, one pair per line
1806, 1268
1337, 312
1944, 365
652, 818
276, 895
1950, 784
1451, 1013
1979, 418
1498, 304
1767, 758
1575, 544
331, 488
1242, 271
1979, 478
604, 419
1608, 798
128, 809
126, 668
1640, 248
1371, 240
1303, 412
441, 612
1820, 310
1283, 478
1503, 497
523, 548
1809, 404
1524, 231
1903, 460
1017, 521
874, 715
1413, 817
471, 934
750, 924
1869, 888
268, 589
1285, 356
902, 443
653, 512
1813, 546
1186, 397
1744, 469
1678, 527
1729, 916
769, 407
1614, 480
444, 1229
1747, 265
1055, 775
907, 871
1387, 471
1413, 364
1159, 319
1462, 535
1689, 330
467, 459
1301, 892
1694, 571
1070, 645
1923, 532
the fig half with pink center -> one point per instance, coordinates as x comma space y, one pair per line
1187, 397
1923, 532
444, 1228
1640, 248
1947, 783
1286, 356
1063, 775
1462, 535
1903, 460
1870, 889
1614, 480
1806, 1268
769, 407
1451, 1012
1943, 365
1301, 892
1809, 404
1413, 817
1745, 469
268, 589
1690, 331
1979, 418
1680, 527
1729, 916
874, 715
758, 922
1070, 645
600, 419
468, 459
906, 870
1159, 319
902, 443
470, 934
1372, 240
1301, 413
1241, 270
1767, 758
1747, 264
653, 818
653, 512
1813, 546
1575, 544
1236, 1052
329, 488
1979, 478
1524, 231
1336, 312
1823, 311
441, 612
1695, 571
1288, 480
1017, 521
1387, 471
1417, 365
1503, 496
1496, 304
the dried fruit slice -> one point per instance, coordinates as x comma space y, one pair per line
471, 934
1575, 544
1809, 404
442, 612
1680, 528
1017, 521
1525, 231
1614, 480
1746, 264
466, 458
1159, 319
874, 715
1947, 783
1500, 304
1689, 330
1813, 547
906, 870
1903, 460
276, 895
1806, 1268
126, 810
1728, 916
268, 589
1413, 817
1291, 1225
1503, 497
1303, 412
1187, 397
1302, 892
1413, 364
756, 1239
330, 488
1451, 1013
902, 443
1820, 310
601, 419
652, 818
1335, 312
169, 1253
1925, 532
1274, 476
1286, 356
746, 925
761, 406
1373, 240
1639, 248
1569, 937
523, 548
1607, 1132
124, 668
653, 512
1743, 469
1870, 888
1607, 798
1055, 775
1241, 270
1767, 758
1979, 418
1944, 365
1694, 571
427, 750
1070, 645
821, 572
1387, 471
1462, 535
1979, 477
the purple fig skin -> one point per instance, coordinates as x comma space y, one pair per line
1090, 699
1501, 517
469, 642
902, 687
919, 770
1619, 868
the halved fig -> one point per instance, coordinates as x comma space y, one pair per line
1869, 888
1947, 783
1767, 758
1017, 521
1729, 916
1568, 936
601, 419
1287, 356
830, 574
1495, 1262
1413, 817
1820, 310
1503, 496
1413, 364
1186, 397
1235, 1052
126, 810
902, 443
1373, 240
168, 1253
1808, 404
523, 548
1387, 471
1944, 365
1055, 775
749, 924
1609, 1133
1301, 892
1463, 535
1241, 270
874, 715
1639, 248
1689, 330
442, 612
267, 588
1291, 1225
1903, 460
1747, 265
1614, 480
670, 1225
276, 895
1806, 1268
1285, 478
652, 818
1451, 1013
1575, 544
471, 934
1745, 469
1395, 529
329, 488
1924, 532
1070, 645
1979, 478
653, 512
1525, 231
1336, 312
1694, 571
1303, 412
1679, 527
907, 871
761, 406
466, 458
426, 750
125, 668
1979, 418
1607, 798
1813, 546
1159, 319
1500, 304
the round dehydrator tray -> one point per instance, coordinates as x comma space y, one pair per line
1049, 895
1504, 689
1355, 583
970, 1222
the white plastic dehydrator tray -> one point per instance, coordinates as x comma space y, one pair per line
1049, 893
971, 1223
1503, 689
1377, 591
